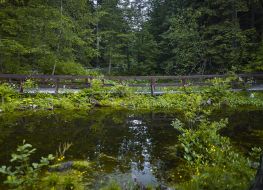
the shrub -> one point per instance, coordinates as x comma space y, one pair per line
6, 91
214, 162
24, 175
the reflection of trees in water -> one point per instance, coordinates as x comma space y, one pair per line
98, 135
136, 151
117, 139
244, 125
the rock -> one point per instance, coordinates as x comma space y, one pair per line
209, 101
95, 102
61, 167
34, 106
75, 165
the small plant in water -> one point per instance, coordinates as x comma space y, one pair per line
177, 124
24, 175
62, 149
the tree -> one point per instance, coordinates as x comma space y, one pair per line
185, 42
35, 35
216, 43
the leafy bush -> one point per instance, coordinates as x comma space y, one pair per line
29, 83
70, 68
214, 162
24, 175
73, 68
256, 65
6, 91
219, 89
68, 180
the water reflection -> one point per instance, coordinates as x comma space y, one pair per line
142, 170
125, 146
121, 143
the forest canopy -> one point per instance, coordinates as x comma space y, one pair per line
138, 37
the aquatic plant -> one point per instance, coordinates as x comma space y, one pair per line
24, 175
213, 161
62, 149
112, 186
71, 179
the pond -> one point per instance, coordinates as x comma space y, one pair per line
125, 145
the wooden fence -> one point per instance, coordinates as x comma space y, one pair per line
77, 82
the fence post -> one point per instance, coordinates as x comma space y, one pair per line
152, 86
183, 82
21, 88
87, 82
56, 86
90, 81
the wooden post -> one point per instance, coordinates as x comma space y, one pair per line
21, 88
86, 82
242, 82
183, 82
56, 86
90, 81
152, 86
120, 81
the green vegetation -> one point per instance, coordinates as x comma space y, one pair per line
213, 161
122, 37
24, 175
36, 176
12, 100
190, 100
205, 153
139, 37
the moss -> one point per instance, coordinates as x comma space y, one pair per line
75, 165
82, 165
71, 179
112, 186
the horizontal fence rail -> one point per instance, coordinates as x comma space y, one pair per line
78, 82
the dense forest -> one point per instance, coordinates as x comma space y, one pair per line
139, 37
132, 120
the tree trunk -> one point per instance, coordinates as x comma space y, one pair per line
128, 58
54, 68
109, 71
60, 33
1, 64
98, 45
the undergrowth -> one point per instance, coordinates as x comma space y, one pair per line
210, 159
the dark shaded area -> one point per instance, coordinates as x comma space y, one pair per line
245, 128
258, 183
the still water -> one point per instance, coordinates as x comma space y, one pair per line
124, 145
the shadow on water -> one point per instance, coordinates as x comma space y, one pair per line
125, 145
245, 128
